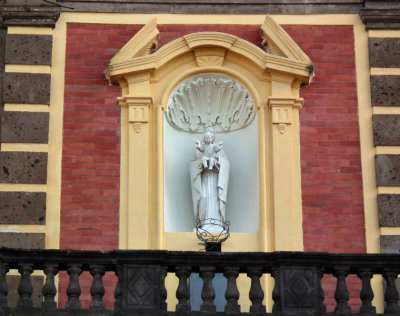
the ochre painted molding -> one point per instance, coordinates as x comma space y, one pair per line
24, 147
17, 187
388, 190
367, 151
32, 69
22, 228
389, 150
30, 30
216, 19
53, 197
385, 71
188, 43
390, 230
384, 34
16, 107
140, 44
386, 110
278, 42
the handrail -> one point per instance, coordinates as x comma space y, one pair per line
297, 278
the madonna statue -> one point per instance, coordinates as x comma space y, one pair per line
209, 176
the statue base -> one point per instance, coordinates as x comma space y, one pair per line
212, 231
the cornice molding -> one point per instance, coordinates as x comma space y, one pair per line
217, 6
38, 16
381, 14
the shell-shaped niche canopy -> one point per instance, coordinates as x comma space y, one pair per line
210, 100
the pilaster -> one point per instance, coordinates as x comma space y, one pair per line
138, 170
285, 168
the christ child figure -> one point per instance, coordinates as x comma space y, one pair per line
209, 150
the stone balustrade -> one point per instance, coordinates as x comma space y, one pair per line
141, 276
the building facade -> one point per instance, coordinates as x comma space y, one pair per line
89, 160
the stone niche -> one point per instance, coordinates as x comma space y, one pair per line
223, 103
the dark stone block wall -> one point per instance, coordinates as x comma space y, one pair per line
389, 210
23, 167
26, 88
24, 127
386, 129
384, 52
23, 208
385, 90
387, 170
28, 49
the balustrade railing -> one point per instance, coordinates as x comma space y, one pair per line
142, 274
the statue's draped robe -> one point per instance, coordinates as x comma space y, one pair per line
209, 188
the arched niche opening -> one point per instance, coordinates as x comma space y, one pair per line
223, 103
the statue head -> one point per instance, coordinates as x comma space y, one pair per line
209, 135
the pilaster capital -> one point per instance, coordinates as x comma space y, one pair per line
281, 109
285, 102
138, 108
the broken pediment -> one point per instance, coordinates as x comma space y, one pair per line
210, 48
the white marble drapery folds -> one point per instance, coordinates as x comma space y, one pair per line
209, 186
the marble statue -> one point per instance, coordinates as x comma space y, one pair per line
209, 175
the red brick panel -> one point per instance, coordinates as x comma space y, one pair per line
91, 148
333, 214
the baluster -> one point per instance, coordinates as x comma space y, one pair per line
97, 288
183, 291
3, 288
341, 293
118, 291
207, 293
49, 289
25, 288
163, 289
366, 294
276, 292
231, 293
256, 293
74, 289
321, 294
391, 295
